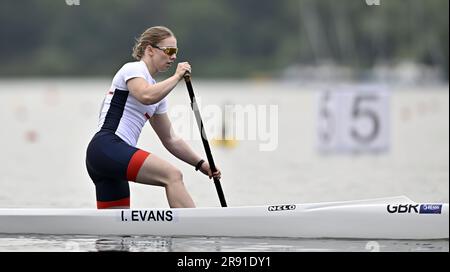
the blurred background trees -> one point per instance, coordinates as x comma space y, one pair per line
223, 38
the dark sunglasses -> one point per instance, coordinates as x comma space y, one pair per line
169, 51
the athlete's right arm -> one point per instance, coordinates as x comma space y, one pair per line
149, 94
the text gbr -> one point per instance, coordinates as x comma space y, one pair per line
415, 208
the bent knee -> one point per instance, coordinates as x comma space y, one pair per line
175, 176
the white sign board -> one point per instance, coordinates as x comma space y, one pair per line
354, 119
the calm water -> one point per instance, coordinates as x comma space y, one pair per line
211, 244
46, 125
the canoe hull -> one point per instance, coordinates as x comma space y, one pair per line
321, 220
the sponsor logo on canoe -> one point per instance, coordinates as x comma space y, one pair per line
430, 208
415, 208
281, 208
147, 215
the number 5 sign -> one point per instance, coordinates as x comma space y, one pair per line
354, 119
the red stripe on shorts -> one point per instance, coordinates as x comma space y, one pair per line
124, 202
135, 164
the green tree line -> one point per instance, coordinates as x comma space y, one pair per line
221, 38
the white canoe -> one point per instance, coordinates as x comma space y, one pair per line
386, 218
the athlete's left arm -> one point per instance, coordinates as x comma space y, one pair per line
172, 142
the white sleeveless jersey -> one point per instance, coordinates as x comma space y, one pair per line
121, 112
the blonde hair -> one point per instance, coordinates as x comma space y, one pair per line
151, 36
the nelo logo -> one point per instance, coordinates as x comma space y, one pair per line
431, 208
281, 208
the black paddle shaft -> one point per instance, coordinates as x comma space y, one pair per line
194, 106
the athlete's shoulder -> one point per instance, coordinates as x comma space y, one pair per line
132, 65
133, 69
